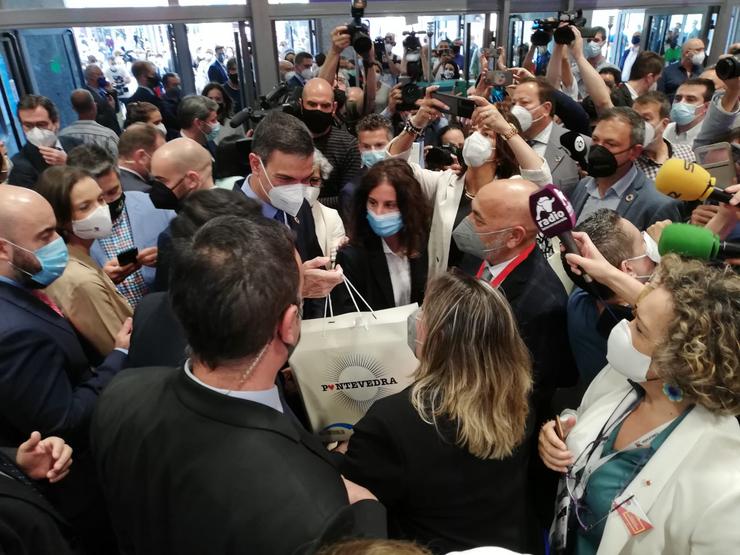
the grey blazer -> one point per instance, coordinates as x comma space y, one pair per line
563, 168
641, 203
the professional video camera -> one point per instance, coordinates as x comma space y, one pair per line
379, 49
545, 29
728, 68
411, 42
359, 32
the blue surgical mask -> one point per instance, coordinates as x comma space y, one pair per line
372, 157
683, 113
592, 49
53, 259
213, 133
385, 225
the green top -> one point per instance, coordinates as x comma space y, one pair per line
609, 481
672, 55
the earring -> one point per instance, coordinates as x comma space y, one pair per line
673, 392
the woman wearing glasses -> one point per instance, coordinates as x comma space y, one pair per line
650, 459
448, 456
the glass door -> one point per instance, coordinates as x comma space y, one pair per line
668, 31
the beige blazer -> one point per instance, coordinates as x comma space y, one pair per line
689, 489
90, 301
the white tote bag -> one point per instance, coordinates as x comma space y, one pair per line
343, 364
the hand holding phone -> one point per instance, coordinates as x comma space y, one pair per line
460, 107
127, 257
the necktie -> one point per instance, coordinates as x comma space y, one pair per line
46, 299
280, 217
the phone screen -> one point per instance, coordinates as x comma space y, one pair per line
718, 161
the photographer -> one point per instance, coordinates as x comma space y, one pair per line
494, 150
390, 64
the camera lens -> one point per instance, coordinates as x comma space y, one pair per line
564, 35
361, 43
728, 68
541, 38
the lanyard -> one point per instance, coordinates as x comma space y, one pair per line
510, 267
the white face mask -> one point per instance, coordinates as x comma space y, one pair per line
622, 355
288, 198
477, 150
651, 247
312, 195
649, 133
524, 116
41, 137
161, 127
95, 226
698, 59
388, 48
307, 73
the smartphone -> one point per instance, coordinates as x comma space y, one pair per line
718, 161
127, 257
461, 107
500, 78
559, 428
461, 88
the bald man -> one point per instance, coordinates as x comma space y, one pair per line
500, 231
86, 129
45, 378
690, 65
46, 382
179, 168
340, 148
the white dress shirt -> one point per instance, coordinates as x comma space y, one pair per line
539, 143
494, 271
268, 397
400, 271
672, 135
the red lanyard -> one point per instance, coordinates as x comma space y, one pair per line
496, 281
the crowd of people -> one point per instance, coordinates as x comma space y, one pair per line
154, 280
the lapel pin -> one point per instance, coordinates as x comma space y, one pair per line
648, 482
630, 197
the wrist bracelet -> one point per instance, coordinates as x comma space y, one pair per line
412, 129
510, 133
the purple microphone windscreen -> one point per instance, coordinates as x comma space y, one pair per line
551, 211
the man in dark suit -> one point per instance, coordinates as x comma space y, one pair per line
148, 79
46, 382
217, 70
136, 146
40, 120
102, 91
218, 430
501, 221
615, 182
282, 165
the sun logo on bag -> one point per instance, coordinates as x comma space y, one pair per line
359, 379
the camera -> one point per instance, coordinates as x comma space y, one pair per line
545, 29
379, 49
410, 93
728, 68
359, 32
411, 42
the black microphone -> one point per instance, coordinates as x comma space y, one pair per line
240, 117
576, 146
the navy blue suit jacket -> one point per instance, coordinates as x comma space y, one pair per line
46, 382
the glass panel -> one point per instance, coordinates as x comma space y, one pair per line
8, 103
203, 38
293, 35
114, 49
211, 2
54, 66
629, 22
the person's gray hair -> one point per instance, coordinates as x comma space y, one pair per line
90, 71
320, 161
283, 132
631, 118
192, 107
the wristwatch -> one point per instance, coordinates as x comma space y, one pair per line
510, 133
412, 129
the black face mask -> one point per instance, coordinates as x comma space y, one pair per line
317, 121
153, 82
116, 207
162, 196
601, 162
174, 92
234, 78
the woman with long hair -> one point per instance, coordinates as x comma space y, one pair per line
448, 456
84, 292
225, 112
386, 257
649, 461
